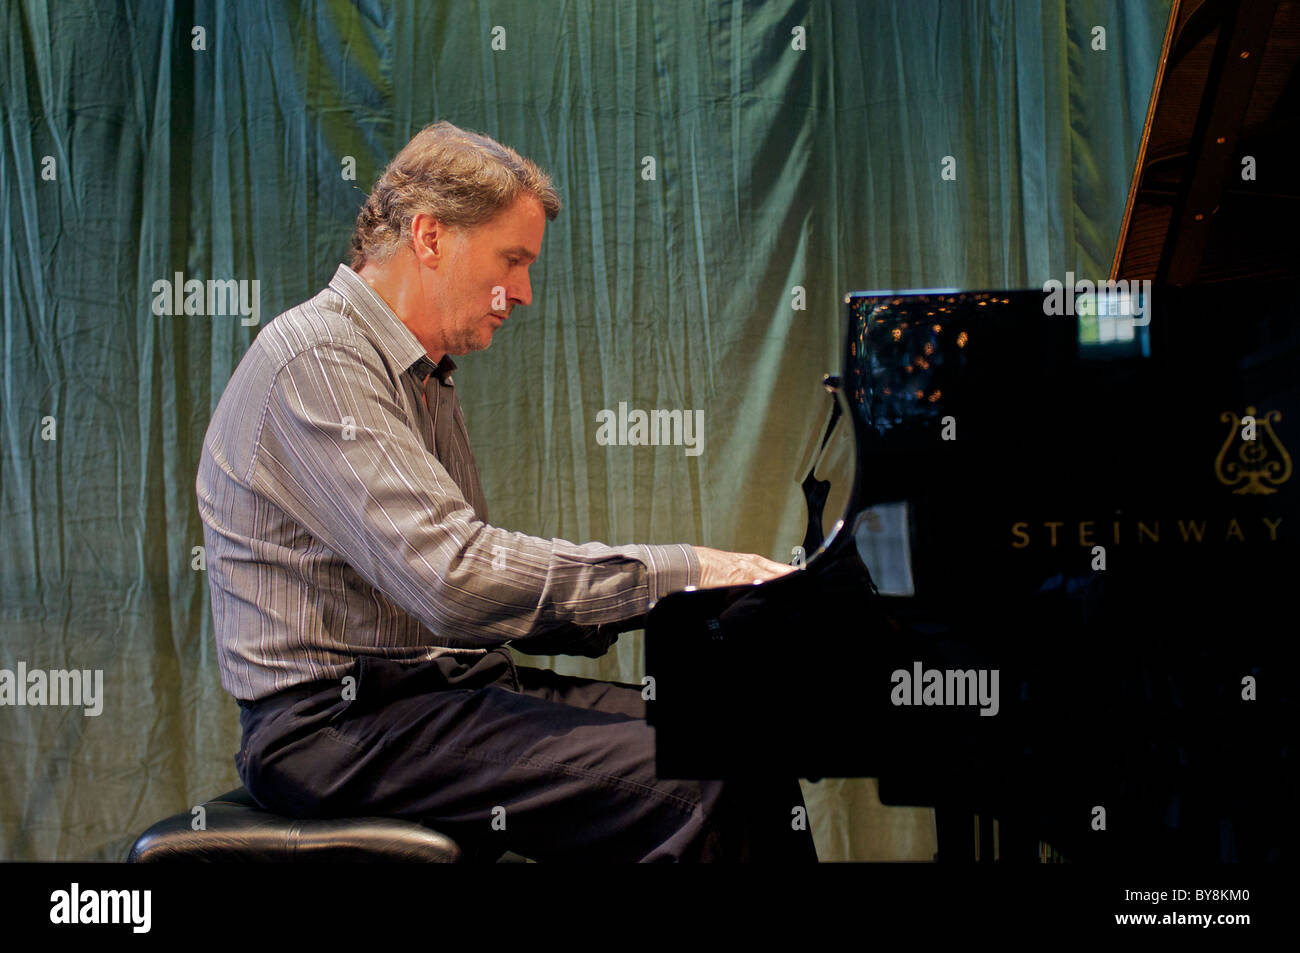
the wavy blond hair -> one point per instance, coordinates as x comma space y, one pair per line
461, 178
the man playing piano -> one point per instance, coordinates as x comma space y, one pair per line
363, 602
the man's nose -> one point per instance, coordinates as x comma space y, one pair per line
523, 291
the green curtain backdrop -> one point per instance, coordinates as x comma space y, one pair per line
795, 144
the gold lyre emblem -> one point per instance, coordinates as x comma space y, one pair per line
1255, 462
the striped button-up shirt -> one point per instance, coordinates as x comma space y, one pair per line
343, 516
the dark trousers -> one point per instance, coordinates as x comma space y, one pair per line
503, 757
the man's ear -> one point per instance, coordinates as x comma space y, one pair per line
428, 240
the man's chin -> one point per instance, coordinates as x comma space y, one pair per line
467, 345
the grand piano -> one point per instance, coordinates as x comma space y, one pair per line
1055, 594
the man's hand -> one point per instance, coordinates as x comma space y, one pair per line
719, 568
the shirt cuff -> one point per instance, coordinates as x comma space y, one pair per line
670, 569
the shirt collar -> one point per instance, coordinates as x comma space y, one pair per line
394, 338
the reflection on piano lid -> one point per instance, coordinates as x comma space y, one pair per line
1035, 450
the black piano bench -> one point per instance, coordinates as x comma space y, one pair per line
238, 829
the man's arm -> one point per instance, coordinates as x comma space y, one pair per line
336, 452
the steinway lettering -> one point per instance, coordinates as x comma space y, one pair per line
1144, 532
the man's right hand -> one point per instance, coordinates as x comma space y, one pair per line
720, 568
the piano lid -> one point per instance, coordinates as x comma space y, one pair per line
1215, 170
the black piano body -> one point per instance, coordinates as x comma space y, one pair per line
1082, 521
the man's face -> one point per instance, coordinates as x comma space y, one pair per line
484, 274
